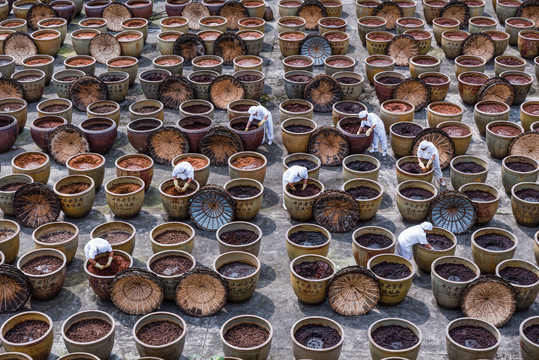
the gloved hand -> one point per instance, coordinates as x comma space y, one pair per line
429, 164
304, 186
292, 187
368, 133
422, 166
247, 126
177, 185
184, 188
109, 261
99, 266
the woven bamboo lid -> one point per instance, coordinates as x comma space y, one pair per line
115, 13
36, 204
10, 88
105, 47
86, 90
337, 211
66, 141
14, 289
174, 90
19, 45
219, 144
489, 298
136, 291
229, 46
353, 291
402, 48
413, 90
195, 11
37, 13
389, 11
201, 292
165, 143
323, 91
224, 89
329, 145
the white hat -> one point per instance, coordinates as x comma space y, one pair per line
424, 144
363, 114
427, 226
253, 110
303, 172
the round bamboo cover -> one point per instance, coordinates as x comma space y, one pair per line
413, 90
19, 45
201, 292
219, 144
136, 291
37, 13
337, 211
390, 11
224, 89
165, 143
480, 45
104, 47
10, 88
189, 46
317, 47
195, 11
175, 90
212, 207
36, 204
353, 291
323, 91
444, 144
497, 89
526, 144
233, 11
87, 89
529, 10
453, 211
456, 10
402, 48
115, 13
66, 141
14, 289
229, 46
329, 145
312, 11
489, 298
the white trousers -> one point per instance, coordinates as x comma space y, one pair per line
379, 137
268, 130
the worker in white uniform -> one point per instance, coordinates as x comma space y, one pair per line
96, 247
374, 123
185, 172
263, 115
294, 175
428, 151
412, 236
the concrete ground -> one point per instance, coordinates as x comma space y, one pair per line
274, 298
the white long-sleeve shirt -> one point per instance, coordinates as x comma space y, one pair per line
95, 247
295, 174
408, 238
183, 171
373, 119
429, 151
261, 112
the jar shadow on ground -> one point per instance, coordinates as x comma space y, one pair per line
65, 300
418, 314
270, 198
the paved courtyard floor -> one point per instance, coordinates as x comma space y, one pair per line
274, 298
